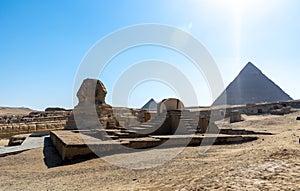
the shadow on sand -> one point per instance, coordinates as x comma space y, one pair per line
52, 158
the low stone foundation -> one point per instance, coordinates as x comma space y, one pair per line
7, 130
72, 144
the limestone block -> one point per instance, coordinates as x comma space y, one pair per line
235, 116
40, 126
24, 127
32, 127
9, 128
15, 127
4, 127
49, 126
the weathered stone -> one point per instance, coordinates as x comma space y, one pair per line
282, 111
40, 126
143, 116
17, 140
203, 124
235, 116
169, 104
23, 127
92, 91
9, 127
32, 127
92, 112
27, 124
15, 127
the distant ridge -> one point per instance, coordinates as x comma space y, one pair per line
251, 86
15, 111
150, 105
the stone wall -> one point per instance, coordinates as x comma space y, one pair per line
36, 126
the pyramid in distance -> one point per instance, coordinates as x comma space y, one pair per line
150, 105
251, 86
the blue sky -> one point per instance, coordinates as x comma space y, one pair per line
42, 44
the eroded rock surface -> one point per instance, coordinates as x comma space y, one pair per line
92, 112
92, 91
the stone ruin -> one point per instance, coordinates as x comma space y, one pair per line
91, 96
235, 116
34, 122
96, 122
281, 111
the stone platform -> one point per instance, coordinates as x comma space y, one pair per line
71, 144
31, 141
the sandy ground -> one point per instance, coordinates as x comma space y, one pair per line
270, 163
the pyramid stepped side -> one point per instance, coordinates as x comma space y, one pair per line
251, 86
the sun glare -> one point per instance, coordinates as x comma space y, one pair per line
238, 14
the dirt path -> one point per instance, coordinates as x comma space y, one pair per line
270, 163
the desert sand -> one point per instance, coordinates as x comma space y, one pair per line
14, 111
270, 163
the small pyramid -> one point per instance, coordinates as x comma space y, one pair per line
251, 86
150, 105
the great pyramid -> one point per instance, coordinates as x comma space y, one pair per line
150, 105
251, 86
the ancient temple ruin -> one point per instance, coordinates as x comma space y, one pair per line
93, 124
